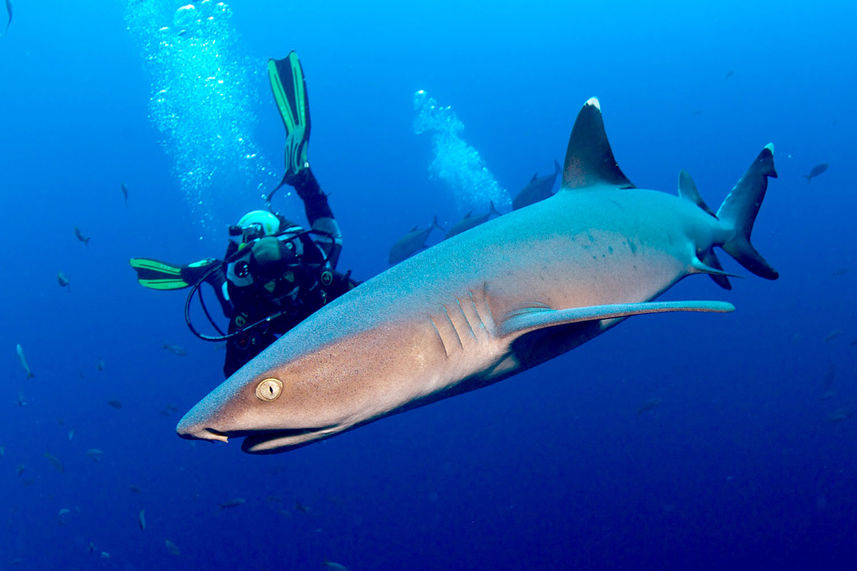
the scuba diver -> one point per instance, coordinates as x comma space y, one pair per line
274, 273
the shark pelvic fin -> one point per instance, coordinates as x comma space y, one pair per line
719, 276
709, 264
532, 319
687, 190
589, 160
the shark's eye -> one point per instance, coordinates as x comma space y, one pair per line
269, 389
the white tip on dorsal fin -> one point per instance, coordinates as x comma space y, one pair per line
589, 161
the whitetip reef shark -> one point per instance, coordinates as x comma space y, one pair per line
489, 303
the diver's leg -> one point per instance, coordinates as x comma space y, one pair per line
288, 86
319, 214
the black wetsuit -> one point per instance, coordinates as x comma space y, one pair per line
287, 289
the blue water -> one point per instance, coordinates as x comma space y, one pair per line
747, 460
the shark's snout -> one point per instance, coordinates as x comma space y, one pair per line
191, 430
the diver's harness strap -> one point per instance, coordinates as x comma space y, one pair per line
324, 280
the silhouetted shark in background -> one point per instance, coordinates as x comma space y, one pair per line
470, 221
411, 243
538, 189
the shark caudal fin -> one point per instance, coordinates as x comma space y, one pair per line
739, 212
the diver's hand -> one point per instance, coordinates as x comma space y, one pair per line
266, 251
269, 257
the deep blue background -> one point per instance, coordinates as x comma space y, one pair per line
742, 463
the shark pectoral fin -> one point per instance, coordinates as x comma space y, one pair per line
538, 318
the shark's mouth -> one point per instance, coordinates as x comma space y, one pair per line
273, 441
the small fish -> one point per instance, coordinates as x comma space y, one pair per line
469, 222
234, 502
134, 489
124, 190
95, 454
55, 461
141, 520
729, 74
63, 512
411, 243
650, 404
334, 565
832, 335
9, 12
840, 272
174, 349
815, 171
71, 434
301, 508
21, 400
172, 548
81, 237
115, 404
2, 451
99, 366
827, 395
105, 555
62, 280
169, 410
23, 361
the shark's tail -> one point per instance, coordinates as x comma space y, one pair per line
739, 212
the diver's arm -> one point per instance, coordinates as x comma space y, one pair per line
217, 280
319, 214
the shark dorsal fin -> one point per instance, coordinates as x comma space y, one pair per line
589, 160
687, 190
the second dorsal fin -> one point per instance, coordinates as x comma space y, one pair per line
687, 190
589, 160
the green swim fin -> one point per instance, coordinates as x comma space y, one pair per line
289, 87
160, 275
